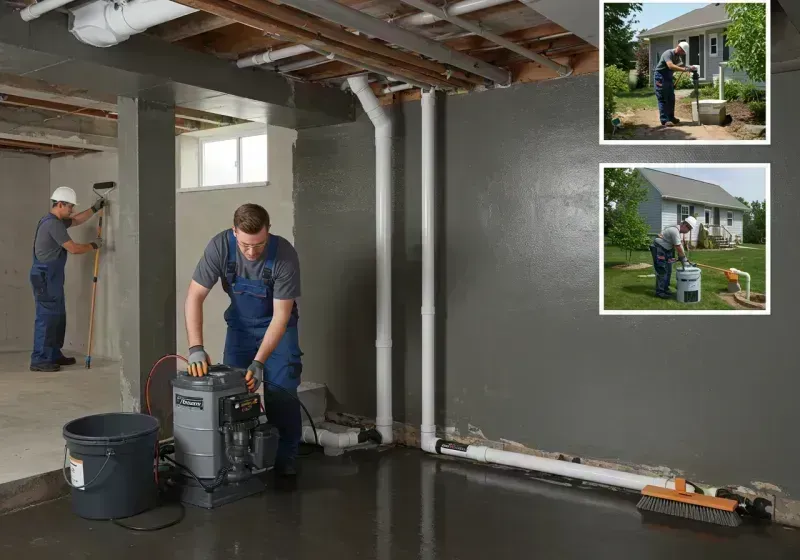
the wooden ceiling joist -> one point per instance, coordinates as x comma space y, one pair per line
189, 26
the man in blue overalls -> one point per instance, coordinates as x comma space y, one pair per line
51, 243
670, 62
663, 251
260, 272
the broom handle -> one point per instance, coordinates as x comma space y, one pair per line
712, 267
94, 288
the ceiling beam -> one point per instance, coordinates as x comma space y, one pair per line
188, 26
35, 147
29, 125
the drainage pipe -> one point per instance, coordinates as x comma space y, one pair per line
302, 64
413, 20
383, 237
35, 10
327, 438
747, 277
104, 24
271, 56
428, 440
349, 17
444, 13
368, 68
395, 89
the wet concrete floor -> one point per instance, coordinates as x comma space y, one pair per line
399, 504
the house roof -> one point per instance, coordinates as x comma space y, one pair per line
684, 189
713, 13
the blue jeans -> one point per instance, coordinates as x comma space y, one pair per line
665, 94
662, 262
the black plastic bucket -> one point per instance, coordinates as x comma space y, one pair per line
110, 458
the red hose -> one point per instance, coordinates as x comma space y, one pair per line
150, 376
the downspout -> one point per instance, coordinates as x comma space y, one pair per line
428, 440
383, 236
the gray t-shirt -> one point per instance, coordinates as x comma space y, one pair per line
50, 239
670, 238
671, 56
286, 271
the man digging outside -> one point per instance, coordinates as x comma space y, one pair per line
669, 63
663, 251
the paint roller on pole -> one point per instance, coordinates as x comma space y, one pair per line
101, 190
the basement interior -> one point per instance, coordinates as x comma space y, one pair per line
411, 187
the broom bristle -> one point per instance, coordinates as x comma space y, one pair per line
690, 511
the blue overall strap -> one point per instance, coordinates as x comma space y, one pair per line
269, 265
230, 265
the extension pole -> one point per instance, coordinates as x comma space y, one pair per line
94, 291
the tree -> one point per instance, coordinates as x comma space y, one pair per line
642, 64
754, 221
747, 34
618, 41
622, 194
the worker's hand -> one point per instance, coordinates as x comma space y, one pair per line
198, 361
683, 260
255, 376
98, 205
97, 243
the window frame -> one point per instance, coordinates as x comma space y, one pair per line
713, 44
682, 219
729, 219
239, 183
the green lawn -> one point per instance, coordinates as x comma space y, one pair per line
644, 98
625, 290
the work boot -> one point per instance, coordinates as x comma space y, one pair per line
664, 296
669, 123
45, 367
284, 468
675, 120
65, 361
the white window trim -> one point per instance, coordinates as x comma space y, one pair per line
238, 137
730, 218
715, 52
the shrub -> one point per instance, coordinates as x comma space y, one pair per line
709, 92
642, 64
733, 90
759, 110
749, 93
615, 81
683, 80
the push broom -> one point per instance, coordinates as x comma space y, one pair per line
98, 188
691, 505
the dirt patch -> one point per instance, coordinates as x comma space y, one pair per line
634, 266
644, 124
738, 300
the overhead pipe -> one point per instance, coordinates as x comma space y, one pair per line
302, 64
369, 68
39, 8
270, 56
383, 236
397, 88
349, 17
429, 442
444, 13
105, 24
412, 20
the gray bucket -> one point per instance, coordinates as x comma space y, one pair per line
110, 458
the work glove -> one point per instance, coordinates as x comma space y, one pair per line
97, 243
98, 205
683, 260
255, 376
198, 361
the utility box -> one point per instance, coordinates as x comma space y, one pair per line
712, 111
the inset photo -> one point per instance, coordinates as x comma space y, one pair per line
680, 72
684, 239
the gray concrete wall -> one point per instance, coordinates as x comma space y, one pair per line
201, 214
24, 195
81, 173
523, 353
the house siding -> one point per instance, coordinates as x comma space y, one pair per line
738, 221
650, 209
669, 217
713, 61
657, 47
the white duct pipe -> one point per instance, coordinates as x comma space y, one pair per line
383, 237
747, 277
395, 89
271, 56
326, 438
105, 24
428, 440
302, 64
458, 8
35, 10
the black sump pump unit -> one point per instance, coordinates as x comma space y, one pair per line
221, 438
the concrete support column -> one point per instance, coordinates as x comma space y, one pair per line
146, 251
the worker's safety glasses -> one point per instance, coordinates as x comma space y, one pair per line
246, 247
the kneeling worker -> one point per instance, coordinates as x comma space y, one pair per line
663, 251
260, 272
51, 243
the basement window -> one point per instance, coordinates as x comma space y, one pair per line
730, 218
233, 162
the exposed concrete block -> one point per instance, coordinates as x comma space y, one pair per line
27, 492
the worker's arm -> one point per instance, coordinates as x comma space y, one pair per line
281, 311
81, 218
193, 313
78, 248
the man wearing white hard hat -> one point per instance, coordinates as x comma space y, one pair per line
672, 60
51, 243
663, 250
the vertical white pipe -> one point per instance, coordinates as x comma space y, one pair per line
428, 428
721, 84
383, 237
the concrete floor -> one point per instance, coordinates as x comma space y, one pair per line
399, 504
35, 406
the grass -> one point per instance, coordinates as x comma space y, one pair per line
644, 98
625, 290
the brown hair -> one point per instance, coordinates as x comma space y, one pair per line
250, 218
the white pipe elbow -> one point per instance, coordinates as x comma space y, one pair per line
330, 439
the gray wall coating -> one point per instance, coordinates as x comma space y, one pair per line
522, 352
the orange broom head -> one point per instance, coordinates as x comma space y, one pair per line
680, 494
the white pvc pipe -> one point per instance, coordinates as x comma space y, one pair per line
395, 89
35, 10
271, 56
326, 438
747, 277
383, 237
413, 20
104, 24
428, 311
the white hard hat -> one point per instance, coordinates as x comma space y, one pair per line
64, 194
684, 45
691, 221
